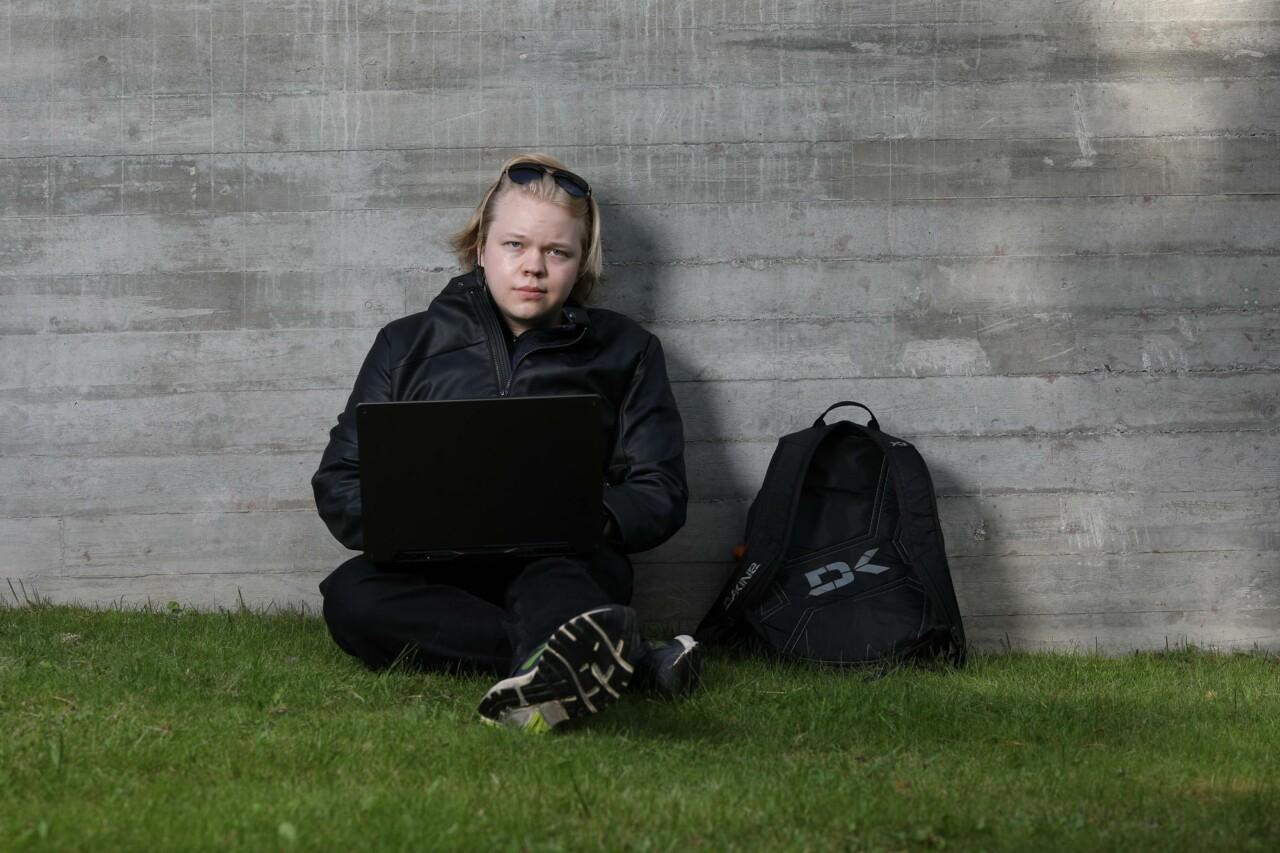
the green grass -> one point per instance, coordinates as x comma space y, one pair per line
145, 730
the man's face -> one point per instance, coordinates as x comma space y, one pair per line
531, 258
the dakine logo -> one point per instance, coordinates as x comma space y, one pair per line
897, 444
741, 584
865, 565
843, 574
844, 577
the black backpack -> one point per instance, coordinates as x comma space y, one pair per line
844, 560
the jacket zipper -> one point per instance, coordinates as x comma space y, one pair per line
511, 375
493, 331
503, 370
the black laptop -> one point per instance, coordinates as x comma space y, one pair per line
506, 476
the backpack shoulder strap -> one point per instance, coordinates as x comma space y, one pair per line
918, 511
772, 518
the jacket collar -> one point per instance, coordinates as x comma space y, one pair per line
572, 315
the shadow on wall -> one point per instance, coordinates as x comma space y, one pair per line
676, 583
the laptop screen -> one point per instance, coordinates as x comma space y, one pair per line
519, 476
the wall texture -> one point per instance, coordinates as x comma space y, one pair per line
1039, 237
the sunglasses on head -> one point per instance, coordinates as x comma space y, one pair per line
526, 173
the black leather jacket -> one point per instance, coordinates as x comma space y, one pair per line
457, 349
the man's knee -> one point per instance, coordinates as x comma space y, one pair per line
607, 573
348, 602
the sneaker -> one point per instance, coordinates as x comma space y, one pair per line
582, 668
673, 667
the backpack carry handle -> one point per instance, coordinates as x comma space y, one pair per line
872, 423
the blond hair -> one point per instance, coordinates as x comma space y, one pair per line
469, 242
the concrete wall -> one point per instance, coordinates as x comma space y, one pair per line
1039, 238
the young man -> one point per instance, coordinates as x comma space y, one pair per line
515, 324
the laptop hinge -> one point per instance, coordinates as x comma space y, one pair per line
541, 549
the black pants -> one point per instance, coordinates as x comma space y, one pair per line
488, 615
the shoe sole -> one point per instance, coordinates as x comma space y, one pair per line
583, 670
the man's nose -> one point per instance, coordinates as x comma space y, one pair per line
534, 264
